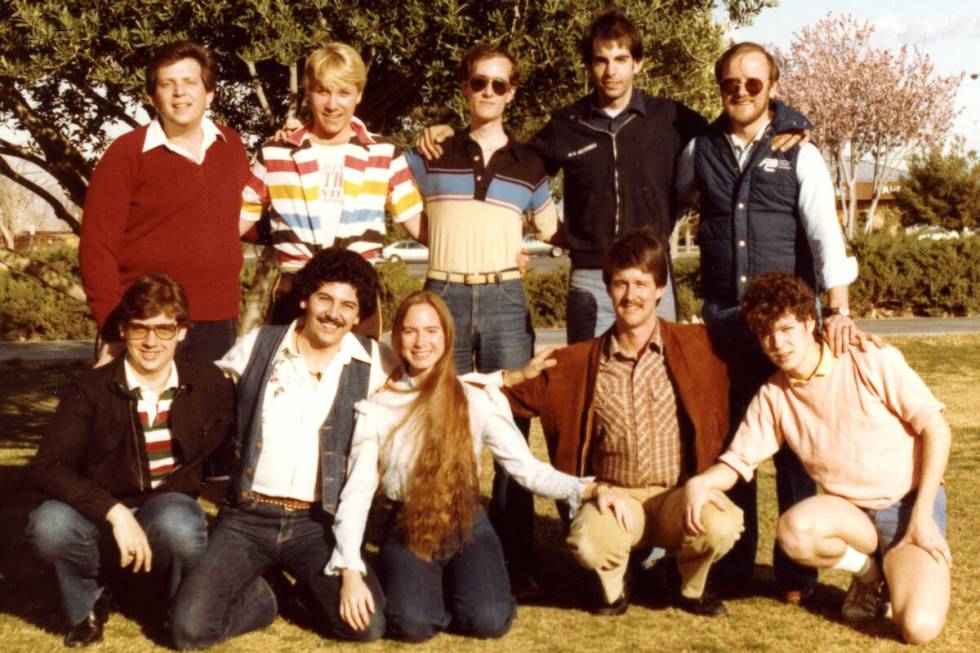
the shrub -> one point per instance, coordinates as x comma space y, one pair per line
396, 284
900, 274
546, 297
29, 310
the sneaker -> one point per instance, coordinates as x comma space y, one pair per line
863, 600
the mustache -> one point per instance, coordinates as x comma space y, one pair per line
324, 318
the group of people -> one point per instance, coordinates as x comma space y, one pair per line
653, 428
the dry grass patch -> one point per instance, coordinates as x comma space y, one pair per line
31, 617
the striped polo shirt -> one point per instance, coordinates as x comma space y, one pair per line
154, 414
475, 208
286, 179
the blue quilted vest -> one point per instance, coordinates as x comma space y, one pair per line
749, 219
335, 432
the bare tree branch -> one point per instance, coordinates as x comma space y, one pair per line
60, 211
108, 107
260, 92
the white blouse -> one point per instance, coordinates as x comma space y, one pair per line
379, 454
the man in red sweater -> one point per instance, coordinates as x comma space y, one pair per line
164, 199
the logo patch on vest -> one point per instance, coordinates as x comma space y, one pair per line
582, 150
772, 165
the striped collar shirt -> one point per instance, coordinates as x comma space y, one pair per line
153, 409
638, 436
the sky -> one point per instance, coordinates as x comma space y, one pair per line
947, 30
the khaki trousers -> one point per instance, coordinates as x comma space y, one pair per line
599, 543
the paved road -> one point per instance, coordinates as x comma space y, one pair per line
914, 326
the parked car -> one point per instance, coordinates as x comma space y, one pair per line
405, 250
534, 246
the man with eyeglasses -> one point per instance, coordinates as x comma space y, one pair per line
477, 195
762, 210
121, 464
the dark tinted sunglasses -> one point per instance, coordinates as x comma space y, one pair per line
478, 83
753, 86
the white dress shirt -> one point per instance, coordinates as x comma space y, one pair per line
156, 137
295, 405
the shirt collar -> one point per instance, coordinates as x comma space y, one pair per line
826, 364
133, 383
361, 135
350, 347
156, 137
655, 343
636, 105
737, 143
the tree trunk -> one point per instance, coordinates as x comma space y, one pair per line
258, 295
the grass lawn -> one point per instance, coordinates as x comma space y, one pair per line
30, 613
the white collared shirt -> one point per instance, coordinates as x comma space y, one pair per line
295, 405
156, 137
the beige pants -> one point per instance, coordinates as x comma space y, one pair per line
599, 543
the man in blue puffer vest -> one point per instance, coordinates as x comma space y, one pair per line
762, 210
297, 386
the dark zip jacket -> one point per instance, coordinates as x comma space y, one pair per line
616, 182
93, 454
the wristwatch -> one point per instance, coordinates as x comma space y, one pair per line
843, 311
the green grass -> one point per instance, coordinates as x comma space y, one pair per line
30, 614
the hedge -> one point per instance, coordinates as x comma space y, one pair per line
898, 275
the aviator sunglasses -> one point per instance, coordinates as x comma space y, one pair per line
753, 86
478, 83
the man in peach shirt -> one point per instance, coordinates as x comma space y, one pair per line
870, 432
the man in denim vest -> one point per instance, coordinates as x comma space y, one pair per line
297, 386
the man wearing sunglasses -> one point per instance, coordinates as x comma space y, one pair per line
121, 465
617, 147
762, 210
477, 195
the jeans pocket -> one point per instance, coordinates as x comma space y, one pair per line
513, 293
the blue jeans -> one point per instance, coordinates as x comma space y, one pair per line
493, 326
226, 595
76, 547
892, 522
479, 603
589, 311
749, 368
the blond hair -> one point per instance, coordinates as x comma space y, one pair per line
335, 61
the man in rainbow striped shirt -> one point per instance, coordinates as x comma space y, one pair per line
328, 184
121, 464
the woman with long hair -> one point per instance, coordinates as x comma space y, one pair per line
420, 437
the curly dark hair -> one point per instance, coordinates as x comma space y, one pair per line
771, 296
611, 25
151, 295
637, 248
337, 264
174, 52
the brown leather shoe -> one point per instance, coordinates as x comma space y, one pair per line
797, 597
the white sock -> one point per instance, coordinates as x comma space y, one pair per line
860, 564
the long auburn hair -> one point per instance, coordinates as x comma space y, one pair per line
437, 516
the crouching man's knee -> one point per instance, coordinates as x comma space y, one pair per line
722, 527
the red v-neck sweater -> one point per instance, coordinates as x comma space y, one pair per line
158, 212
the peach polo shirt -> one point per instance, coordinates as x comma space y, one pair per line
854, 425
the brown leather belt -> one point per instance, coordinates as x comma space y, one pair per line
283, 502
474, 278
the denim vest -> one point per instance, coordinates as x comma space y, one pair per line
335, 432
749, 218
